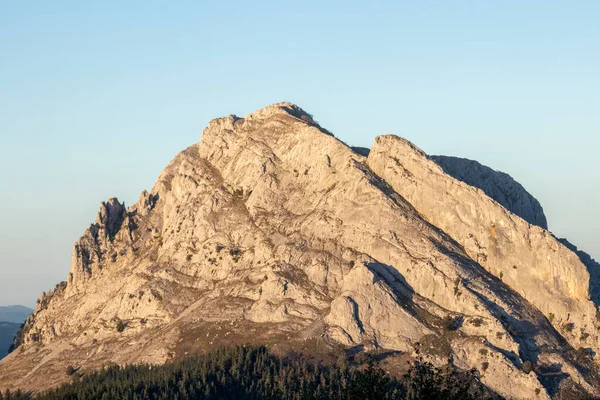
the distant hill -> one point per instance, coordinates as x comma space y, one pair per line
15, 314
8, 330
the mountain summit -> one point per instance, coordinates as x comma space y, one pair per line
271, 230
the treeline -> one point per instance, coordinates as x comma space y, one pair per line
247, 372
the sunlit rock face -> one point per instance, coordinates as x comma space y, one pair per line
497, 185
272, 230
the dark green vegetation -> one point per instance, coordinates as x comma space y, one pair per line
247, 372
8, 330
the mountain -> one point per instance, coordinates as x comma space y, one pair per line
8, 330
11, 318
272, 231
15, 314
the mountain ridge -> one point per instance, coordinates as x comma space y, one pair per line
272, 229
497, 185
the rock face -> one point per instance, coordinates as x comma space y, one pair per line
272, 230
14, 314
497, 185
528, 258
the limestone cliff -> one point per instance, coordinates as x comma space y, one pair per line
272, 230
526, 257
497, 185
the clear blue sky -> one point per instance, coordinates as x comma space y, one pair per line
97, 97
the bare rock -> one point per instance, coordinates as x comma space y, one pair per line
272, 230
497, 185
526, 257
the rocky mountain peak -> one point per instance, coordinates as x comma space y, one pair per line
274, 117
272, 230
285, 107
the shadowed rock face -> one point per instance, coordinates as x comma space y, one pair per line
272, 230
524, 256
8, 330
363, 151
497, 185
593, 267
513, 196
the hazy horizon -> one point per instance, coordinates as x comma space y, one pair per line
99, 98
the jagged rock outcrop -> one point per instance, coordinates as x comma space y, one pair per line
497, 185
272, 230
97, 241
